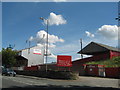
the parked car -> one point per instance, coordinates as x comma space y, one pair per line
8, 72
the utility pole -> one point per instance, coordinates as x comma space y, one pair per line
28, 41
29, 47
118, 19
43, 47
81, 48
47, 46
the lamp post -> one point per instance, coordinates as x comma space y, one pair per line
46, 40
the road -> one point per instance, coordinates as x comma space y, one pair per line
21, 81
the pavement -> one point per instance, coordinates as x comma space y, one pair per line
85, 80
22, 81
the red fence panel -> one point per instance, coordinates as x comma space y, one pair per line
114, 54
31, 68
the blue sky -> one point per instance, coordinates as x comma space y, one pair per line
20, 21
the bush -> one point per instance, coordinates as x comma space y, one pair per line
114, 62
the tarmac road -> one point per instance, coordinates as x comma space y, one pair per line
21, 81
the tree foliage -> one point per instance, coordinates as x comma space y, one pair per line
8, 57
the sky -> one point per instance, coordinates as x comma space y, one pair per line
59, 0
68, 22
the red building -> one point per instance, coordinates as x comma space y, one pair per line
98, 52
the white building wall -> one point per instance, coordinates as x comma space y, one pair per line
33, 59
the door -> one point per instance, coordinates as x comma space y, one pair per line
102, 71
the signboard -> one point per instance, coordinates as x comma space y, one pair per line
64, 61
37, 51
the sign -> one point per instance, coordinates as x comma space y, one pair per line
37, 51
64, 61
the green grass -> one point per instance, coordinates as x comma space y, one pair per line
115, 62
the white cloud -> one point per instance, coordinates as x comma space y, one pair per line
31, 38
41, 38
109, 31
59, 0
89, 34
66, 49
49, 45
50, 54
55, 19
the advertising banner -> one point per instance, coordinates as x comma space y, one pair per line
37, 51
64, 61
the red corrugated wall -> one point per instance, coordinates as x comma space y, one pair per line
112, 72
114, 54
91, 70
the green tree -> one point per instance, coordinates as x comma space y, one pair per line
8, 57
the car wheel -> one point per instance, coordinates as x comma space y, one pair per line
13, 75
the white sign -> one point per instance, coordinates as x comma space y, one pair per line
37, 51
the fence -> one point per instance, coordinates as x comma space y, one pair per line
96, 70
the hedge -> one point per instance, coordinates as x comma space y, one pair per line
67, 75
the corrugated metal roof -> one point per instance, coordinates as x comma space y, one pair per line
109, 47
94, 47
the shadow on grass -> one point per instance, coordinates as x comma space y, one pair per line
53, 87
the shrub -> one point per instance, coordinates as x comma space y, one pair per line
114, 62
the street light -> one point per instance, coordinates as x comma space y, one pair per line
46, 40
